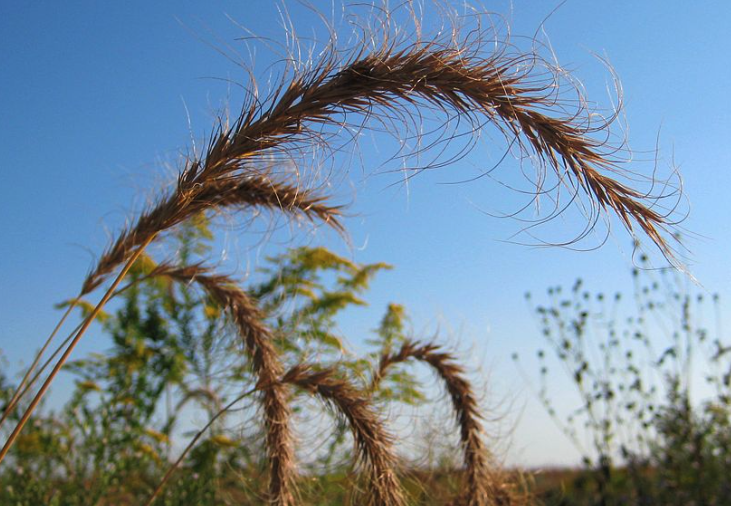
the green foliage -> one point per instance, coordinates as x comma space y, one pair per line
304, 291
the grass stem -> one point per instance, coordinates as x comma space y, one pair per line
87, 323
20, 391
192, 443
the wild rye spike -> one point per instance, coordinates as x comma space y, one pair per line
259, 344
372, 441
484, 486
463, 78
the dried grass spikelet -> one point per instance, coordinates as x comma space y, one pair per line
259, 344
372, 442
485, 486
396, 79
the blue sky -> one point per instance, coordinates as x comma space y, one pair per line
96, 101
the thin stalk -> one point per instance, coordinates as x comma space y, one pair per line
50, 359
72, 345
192, 443
56, 352
18, 394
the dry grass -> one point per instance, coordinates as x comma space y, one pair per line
372, 441
461, 77
259, 344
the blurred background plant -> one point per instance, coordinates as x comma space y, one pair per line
652, 382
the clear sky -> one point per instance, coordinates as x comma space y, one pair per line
97, 97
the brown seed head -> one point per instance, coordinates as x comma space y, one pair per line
484, 483
259, 344
371, 439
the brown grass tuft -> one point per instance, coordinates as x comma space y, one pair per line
485, 485
371, 439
